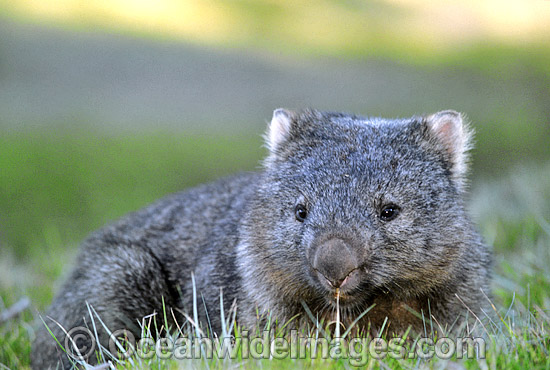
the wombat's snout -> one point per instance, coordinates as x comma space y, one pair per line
335, 263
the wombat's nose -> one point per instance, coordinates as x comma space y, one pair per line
335, 261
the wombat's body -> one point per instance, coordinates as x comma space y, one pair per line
370, 208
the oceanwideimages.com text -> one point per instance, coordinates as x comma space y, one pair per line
357, 350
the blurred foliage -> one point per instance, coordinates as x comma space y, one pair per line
63, 183
412, 31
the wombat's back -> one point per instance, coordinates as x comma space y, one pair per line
143, 263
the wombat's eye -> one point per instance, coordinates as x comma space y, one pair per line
300, 211
389, 212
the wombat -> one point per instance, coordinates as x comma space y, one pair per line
366, 211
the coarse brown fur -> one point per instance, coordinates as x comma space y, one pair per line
367, 207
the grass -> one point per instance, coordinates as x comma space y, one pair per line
56, 187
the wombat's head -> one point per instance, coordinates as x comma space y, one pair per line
368, 206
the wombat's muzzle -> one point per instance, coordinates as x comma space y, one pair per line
335, 263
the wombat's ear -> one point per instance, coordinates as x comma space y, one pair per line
448, 131
279, 129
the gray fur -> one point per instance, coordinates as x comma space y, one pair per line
241, 234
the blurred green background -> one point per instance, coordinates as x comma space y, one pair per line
106, 106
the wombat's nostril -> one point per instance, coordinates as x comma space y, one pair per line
335, 261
